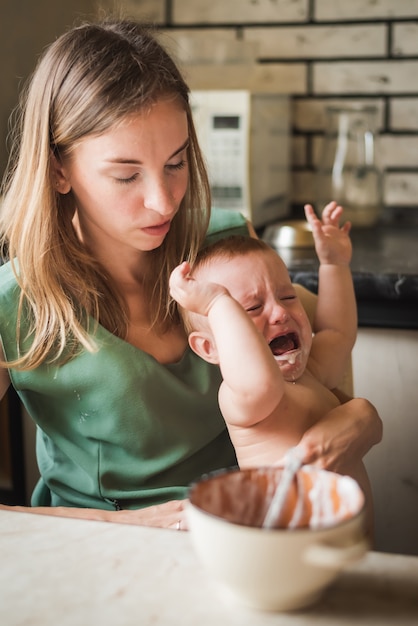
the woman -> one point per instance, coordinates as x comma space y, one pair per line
106, 194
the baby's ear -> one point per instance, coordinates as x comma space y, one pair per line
202, 343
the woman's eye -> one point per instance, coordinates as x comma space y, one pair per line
126, 181
177, 166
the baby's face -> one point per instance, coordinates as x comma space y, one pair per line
260, 282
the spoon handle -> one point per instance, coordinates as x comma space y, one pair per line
293, 464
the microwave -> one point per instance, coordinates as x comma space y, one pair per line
245, 137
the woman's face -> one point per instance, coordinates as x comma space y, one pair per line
128, 182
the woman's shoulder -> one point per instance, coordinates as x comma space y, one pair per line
224, 222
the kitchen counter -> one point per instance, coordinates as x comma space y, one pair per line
74, 573
385, 274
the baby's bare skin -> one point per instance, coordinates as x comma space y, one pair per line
277, 378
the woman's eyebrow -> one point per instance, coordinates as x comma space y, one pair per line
182, 147
129, 161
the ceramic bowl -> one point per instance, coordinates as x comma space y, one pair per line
320, 531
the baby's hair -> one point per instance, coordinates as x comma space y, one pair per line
226, 248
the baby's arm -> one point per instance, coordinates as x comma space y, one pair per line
252, 382
193, 295
336, 313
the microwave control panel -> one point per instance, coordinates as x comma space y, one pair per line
244, 138
225, 152
222, 125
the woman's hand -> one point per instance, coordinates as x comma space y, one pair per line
344, 434
168, 515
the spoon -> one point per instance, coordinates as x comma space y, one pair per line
292, 465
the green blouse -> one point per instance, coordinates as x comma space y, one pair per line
116, 428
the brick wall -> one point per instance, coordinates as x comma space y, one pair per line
320, 52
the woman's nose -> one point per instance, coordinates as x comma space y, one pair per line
158, 197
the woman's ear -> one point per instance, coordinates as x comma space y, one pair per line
59, 178
202, 343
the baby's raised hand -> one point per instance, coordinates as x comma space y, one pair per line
332, 242
193, 294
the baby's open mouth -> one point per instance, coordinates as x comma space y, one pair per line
284, 343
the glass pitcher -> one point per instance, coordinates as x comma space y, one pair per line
348, 171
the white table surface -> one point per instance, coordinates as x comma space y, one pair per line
62, 572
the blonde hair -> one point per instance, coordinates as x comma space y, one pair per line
88, 80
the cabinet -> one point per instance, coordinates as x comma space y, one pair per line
385, 372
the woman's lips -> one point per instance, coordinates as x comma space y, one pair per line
158, 230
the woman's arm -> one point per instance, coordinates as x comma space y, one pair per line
343, 435
168, 515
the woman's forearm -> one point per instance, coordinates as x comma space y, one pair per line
168, 515
347, 432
